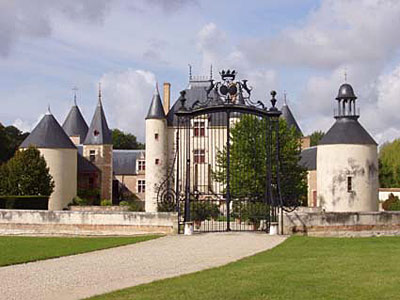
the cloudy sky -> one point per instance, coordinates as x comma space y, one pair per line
302, 47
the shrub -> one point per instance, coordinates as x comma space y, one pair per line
136, 205
391, 203
80, 201
203, 210
92, 196
24, 202
124, 203
106, 202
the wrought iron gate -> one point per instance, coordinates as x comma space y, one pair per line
225, 172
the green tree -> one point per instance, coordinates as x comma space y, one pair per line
122, 140
26, 174
248, 167
10, 139
389, 164
315, 137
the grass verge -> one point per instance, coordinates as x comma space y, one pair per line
16, 249
300, 268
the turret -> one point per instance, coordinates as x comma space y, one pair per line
156, 150
75, 125
347, 161
61, 158
98, 148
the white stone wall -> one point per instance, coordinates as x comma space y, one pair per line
85, 222
155, 149
63, 166
334, 164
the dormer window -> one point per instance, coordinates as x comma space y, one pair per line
141, 165
92, 155
96, 132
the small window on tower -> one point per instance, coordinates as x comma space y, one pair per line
157, 161
92, 155
156, 136
349, 184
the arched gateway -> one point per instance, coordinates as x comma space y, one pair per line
225, 171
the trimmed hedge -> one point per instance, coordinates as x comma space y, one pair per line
24, 202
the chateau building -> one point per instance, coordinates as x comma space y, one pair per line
342, 169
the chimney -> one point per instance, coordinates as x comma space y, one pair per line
167, 96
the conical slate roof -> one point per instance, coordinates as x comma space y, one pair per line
289, 118
48, 134
347, 130
98, 133
156, 110
75, 124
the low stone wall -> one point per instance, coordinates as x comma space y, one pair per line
342, 224
35, 222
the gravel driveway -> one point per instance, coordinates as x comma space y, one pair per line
89, 274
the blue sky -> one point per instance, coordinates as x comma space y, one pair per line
301, 47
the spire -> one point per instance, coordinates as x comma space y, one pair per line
75, 89
211, 72
48, 112
48, 134
156, 110
100, 104
98, 132
287, 115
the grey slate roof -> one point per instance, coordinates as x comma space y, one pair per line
346, 92
156, 110
48, 134
98, 133
308, 158
197, 91
347, 130
75, 124
124, 161
289, 118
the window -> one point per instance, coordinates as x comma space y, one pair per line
156, 136
92, 155
199, 156
349, 184
157, 161
141, 165
141, 186
199, 128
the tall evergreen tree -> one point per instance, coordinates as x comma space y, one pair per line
26, 174
248, 161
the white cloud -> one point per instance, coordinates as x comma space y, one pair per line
126, 97
33, 19
26, 126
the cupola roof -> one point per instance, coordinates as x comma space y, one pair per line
346, 92
347, 131
156, 110
48, 134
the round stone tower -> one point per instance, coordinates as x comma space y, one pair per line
61, 158
347, 161
156, 151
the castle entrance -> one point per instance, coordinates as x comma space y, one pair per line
225, 175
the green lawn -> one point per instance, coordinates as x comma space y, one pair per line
300, 268
16, 249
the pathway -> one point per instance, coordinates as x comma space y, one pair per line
89, 274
